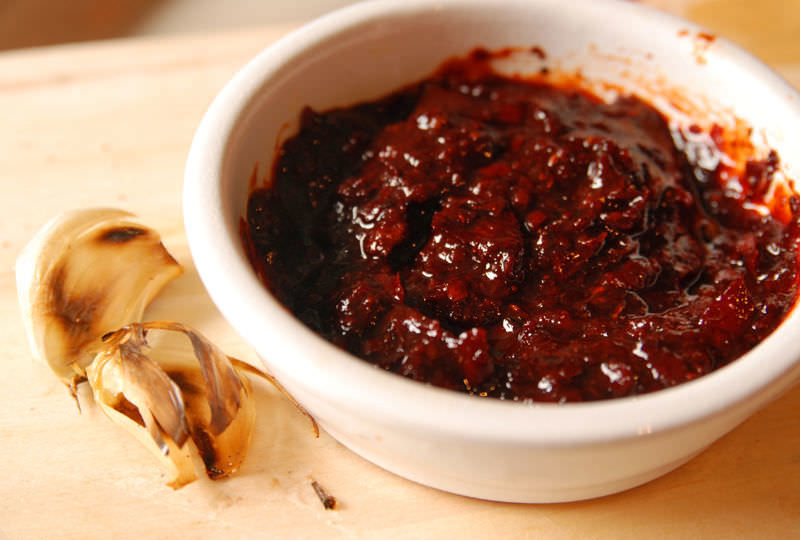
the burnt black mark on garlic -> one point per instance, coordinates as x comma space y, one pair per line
122, 405
121, 235
208, 453
185, 381
75, 313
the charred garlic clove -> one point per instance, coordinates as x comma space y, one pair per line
84, 273
83, 284
134, 392
164, 404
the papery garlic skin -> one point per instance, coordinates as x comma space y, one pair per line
84, 273
136, 393
172, 405
222, 453
219, 405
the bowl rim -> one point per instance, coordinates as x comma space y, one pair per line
364, 389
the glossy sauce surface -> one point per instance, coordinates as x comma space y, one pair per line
517, 239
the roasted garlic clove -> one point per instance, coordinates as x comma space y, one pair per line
84, 273
83, 284
219, 404
134, 392
166, 404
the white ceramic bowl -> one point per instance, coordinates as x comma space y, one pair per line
479, 447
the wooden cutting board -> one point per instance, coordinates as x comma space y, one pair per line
110, 124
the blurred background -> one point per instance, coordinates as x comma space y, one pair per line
31, 23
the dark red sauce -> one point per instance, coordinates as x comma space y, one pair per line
522, 240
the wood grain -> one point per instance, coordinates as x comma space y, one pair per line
110, 124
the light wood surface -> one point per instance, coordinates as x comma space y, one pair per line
110, 124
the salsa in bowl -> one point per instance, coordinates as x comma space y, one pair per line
500, 449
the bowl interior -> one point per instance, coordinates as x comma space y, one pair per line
341, 60
368, 50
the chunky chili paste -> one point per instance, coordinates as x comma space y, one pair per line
525, 240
